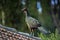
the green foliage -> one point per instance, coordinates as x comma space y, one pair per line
52, 36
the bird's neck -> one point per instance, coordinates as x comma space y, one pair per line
27, 14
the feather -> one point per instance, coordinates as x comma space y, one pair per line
33, 22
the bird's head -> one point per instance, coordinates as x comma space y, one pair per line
24, 10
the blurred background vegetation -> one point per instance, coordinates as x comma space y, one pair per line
11, 15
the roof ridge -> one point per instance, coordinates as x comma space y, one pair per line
5, 33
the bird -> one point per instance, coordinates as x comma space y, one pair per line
32, 23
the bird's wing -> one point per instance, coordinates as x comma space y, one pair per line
32, 21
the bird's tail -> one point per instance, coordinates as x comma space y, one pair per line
43, 30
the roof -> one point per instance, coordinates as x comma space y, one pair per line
5, 33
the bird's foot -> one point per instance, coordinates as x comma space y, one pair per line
31, 34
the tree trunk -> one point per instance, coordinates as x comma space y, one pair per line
3, 17
56, 20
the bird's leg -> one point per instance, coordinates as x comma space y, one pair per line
32, 32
